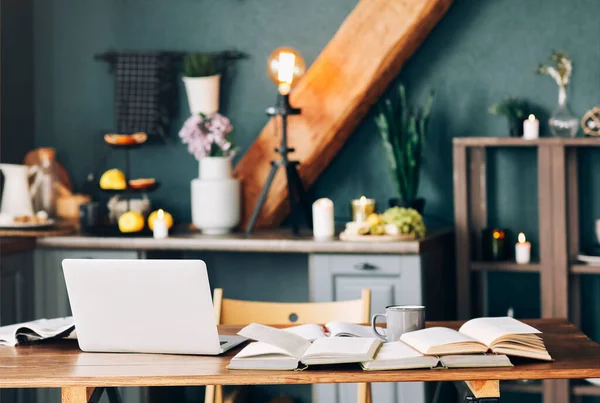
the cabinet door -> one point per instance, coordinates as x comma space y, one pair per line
392, 280
16, 289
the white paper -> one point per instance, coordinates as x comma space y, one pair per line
34, 330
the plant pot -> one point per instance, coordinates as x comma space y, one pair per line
515, 128
417, 204
203, 94
215, 197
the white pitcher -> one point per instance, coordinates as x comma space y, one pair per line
16, 196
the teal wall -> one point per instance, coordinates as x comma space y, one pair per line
479, 53
16, 111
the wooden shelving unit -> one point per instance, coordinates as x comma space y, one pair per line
558, 198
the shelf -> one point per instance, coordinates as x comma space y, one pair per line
520, 142
505, 266
586, 390
132, 190
521, 387
582, 268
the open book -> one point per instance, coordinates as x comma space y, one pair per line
503, 335
37, 330
312, 332
399, 355
278, 349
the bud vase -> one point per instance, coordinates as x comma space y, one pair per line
563, 123
215, 197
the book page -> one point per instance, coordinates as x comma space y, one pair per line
487, 330
475, 361
291, 343
8, 335
340, 347
35, 330
257, 349
309, 331
344, 329
396, 350
426, 339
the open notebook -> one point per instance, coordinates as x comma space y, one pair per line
399, 355
503, 335
278, 349
40, 329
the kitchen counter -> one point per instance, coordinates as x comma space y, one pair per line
9, 246
273, 241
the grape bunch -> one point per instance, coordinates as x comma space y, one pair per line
407, 220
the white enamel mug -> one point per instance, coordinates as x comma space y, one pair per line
400, 319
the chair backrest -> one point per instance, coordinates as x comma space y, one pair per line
236, 312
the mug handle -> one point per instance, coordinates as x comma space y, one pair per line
374, 327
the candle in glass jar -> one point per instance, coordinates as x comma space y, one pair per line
531, 128
323, 222
522, 250
493, 244
160, 228
361, 208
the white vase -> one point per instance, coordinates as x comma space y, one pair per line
215, 197
203, 93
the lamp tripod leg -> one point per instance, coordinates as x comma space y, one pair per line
262, 197
301, 198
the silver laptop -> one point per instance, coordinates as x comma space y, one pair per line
144, 306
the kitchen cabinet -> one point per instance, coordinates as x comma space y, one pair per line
393, 280
16, 279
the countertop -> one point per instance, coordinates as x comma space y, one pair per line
271, 241
9, 246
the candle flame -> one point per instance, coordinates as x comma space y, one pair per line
532, 117
362, 200
521, 237
161, 214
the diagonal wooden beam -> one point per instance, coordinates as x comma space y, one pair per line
349, 76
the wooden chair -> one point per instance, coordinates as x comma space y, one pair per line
236, 312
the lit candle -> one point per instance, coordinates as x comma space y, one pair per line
361, 209
323, 223
522, 250
161, 230
531, 128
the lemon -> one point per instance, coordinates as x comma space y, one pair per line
373, 219
113, 179
168, 218
131, 221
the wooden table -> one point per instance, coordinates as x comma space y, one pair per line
63, 365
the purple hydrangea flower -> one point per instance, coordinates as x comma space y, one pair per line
206, 136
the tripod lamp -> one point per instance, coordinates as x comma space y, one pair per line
285, 66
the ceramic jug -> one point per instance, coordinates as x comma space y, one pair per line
16, 196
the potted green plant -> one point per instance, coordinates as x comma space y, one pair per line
515, 110
202, 77
403, 132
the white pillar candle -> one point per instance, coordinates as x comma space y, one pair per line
323, 223
160, 228
522, 250
531, 128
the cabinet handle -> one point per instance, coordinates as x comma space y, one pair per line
365, 266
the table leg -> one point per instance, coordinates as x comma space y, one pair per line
478, 391
75, 394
